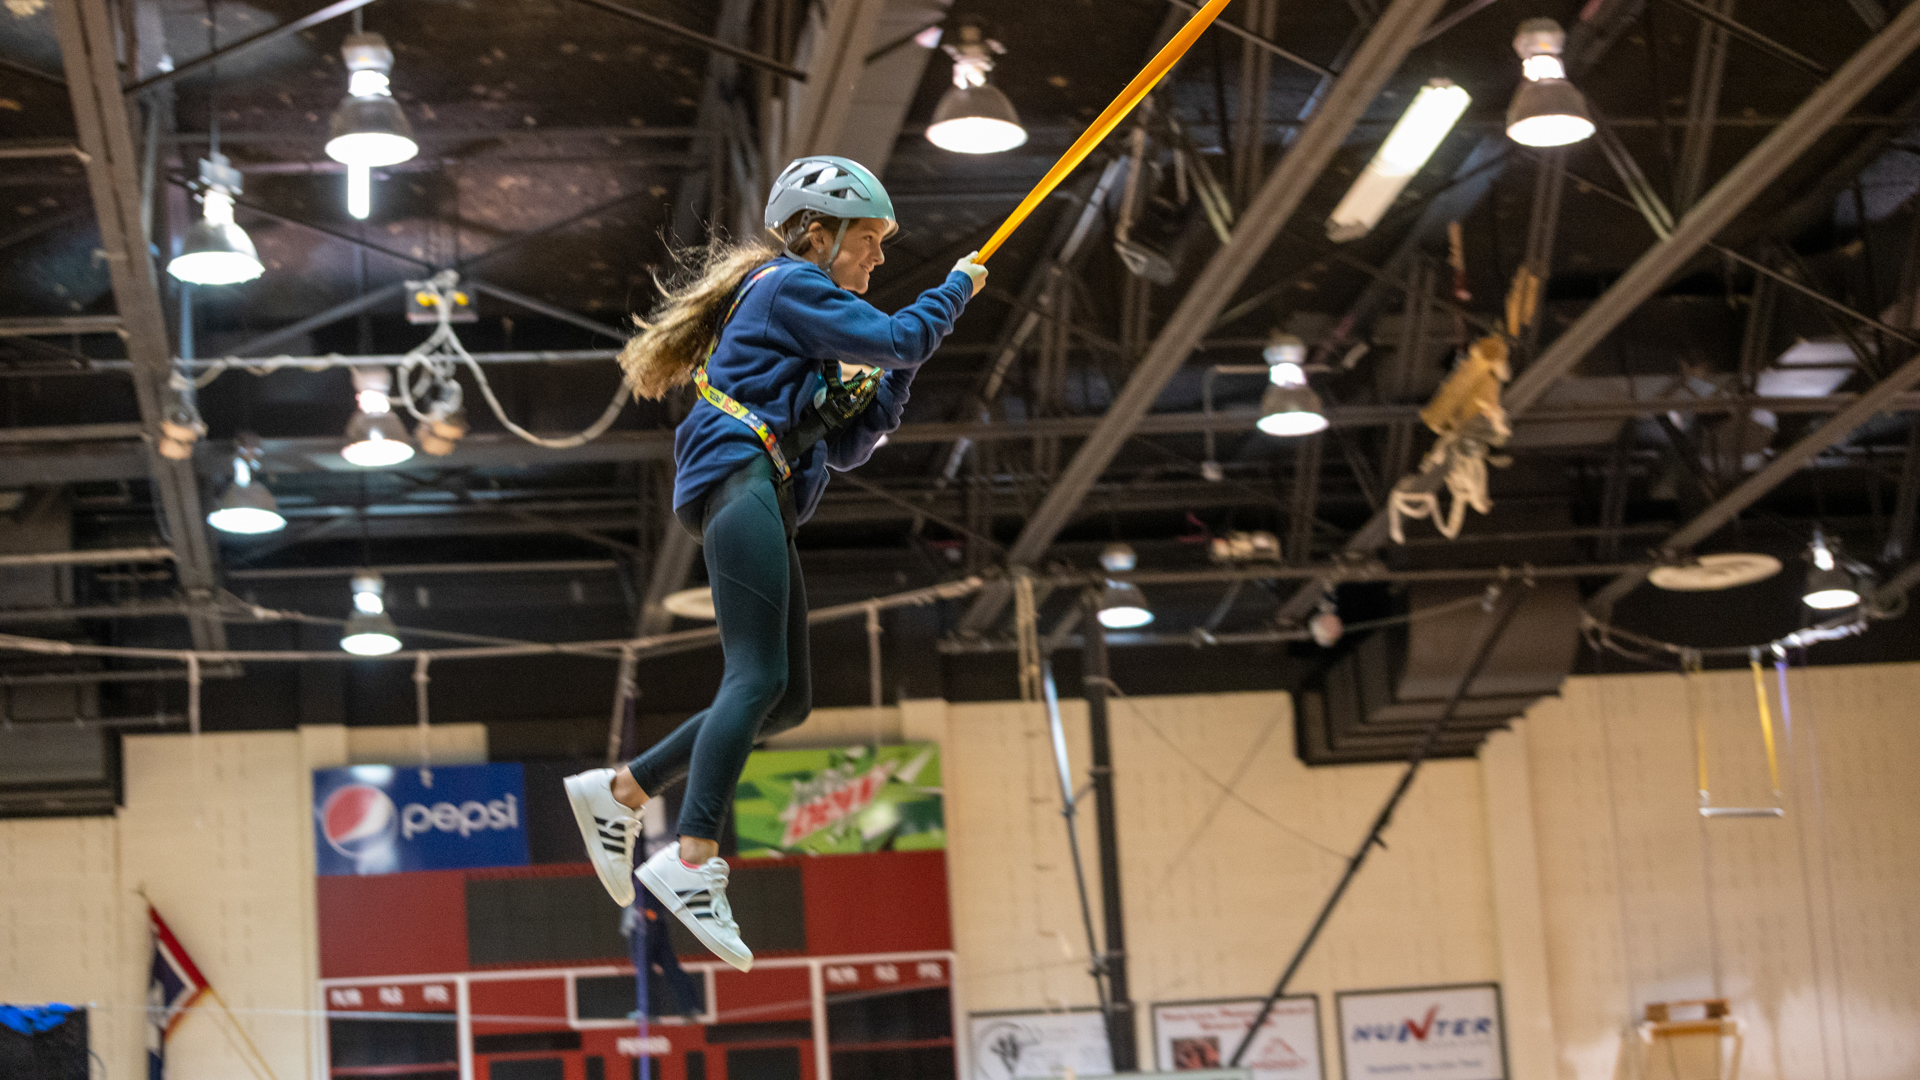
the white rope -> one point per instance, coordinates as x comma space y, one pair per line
655, 644
625, 689
1026, 636
439, 352
420, 681
193, 740
873, 666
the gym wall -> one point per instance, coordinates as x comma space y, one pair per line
1568, 862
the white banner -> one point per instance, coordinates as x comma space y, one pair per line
1446, 1032
1038, 1046
1193, 1035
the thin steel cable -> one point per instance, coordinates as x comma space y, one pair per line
1227, 787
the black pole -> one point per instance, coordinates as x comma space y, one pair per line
1510, 605
1120, 1023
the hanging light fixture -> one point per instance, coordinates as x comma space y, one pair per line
375, 436
1123, 606
1547, 110
370, 631
1325, 627
368, 130
1829, 587
246, 508
972, 117
1289, 407
216, 251
1414, 138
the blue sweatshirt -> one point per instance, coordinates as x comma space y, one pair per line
769, 360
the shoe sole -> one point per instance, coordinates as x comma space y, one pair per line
667, 896
615, 884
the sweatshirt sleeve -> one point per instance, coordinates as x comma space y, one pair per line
854, 444
830, 323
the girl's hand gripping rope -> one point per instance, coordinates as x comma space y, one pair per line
974, 271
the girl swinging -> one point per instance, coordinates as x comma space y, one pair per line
796, 373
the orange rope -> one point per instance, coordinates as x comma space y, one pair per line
1766, 725
1107, 121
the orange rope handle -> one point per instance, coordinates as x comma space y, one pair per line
1104, 124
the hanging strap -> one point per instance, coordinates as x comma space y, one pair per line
726, 404
1766, 723
834, 404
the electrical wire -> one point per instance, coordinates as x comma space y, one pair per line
440, 351
1654, 652
1227, 788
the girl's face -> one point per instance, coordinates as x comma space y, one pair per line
860, 251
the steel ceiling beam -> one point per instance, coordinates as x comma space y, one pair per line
87, 36
1693, 232
194, 67
1750, 491
842, 36
713, 44
1753, 37
1394, 35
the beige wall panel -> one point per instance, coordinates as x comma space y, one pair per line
60, 937
841, 727
1016, 915
220, 837
1857, 730
448, 744
1219, 888
1805, 922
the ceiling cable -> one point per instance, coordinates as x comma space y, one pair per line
439, 353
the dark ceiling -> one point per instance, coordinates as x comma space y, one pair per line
564, 147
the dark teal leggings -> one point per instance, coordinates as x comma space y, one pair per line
767, 688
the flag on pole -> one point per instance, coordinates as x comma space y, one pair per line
172, 988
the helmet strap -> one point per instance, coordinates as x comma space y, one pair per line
838, 239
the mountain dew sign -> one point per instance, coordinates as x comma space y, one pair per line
840, 802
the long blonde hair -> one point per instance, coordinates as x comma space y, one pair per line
676, 335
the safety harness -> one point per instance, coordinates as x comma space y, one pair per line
835, 402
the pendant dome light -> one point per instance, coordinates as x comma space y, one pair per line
370, 630
375, 436
368, 130
1289, 408
246, 508
972, 117
217, 251
1829, 586
1547, 110
1123, 606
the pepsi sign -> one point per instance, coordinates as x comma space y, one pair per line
383, 819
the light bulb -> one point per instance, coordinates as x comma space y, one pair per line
1414, 138
1543, 66
360, 186
367, 82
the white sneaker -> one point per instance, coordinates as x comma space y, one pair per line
608, 827
698, 895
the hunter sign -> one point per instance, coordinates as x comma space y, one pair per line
840, 802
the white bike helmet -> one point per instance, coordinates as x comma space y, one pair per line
832, 187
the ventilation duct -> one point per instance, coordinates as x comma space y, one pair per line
1377, 699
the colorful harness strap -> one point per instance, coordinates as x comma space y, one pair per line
731, 407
